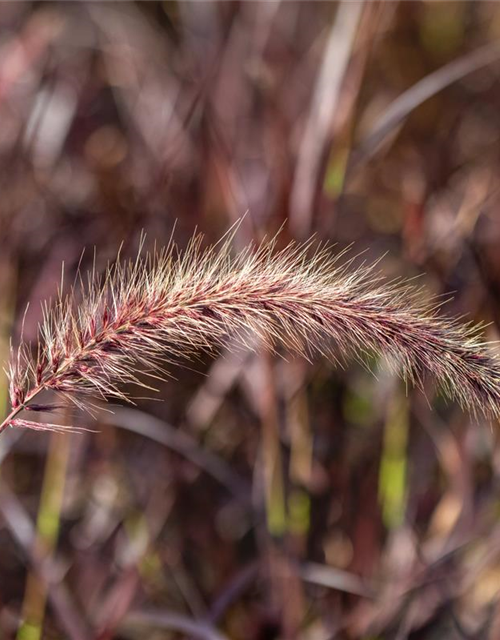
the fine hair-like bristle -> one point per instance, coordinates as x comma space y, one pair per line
165, 307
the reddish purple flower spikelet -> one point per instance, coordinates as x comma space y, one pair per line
45, 426
166, 307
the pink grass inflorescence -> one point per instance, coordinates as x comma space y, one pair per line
162, 308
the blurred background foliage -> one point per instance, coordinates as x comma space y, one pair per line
261, 498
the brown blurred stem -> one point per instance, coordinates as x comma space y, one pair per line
419, 93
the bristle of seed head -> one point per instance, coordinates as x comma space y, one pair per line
161, 308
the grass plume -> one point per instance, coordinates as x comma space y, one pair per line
162, 308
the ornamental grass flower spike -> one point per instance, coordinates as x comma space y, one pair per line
163, 308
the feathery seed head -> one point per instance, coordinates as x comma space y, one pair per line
159, 309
